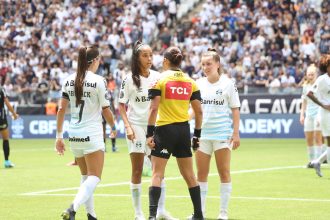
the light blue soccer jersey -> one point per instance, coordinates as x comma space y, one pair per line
86, 119
312, 108
217, 100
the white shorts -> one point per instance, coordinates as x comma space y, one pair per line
312, 124
325, 123
209, 146
81, 146
139, 144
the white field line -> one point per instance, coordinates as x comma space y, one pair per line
209, 197
166, 178
50, 149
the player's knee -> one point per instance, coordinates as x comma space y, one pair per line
225, 176
137, 172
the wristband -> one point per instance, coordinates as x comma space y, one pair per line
114, 127
197, 133
59, 135
150, 130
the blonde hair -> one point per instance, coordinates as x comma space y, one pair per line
311, 68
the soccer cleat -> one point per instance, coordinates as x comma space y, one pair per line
309, 165
165, 216
317, 167
152, 218
8, 164
114, 149
69, 214
90, 217
223, 215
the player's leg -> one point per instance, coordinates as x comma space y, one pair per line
222, 157
203, 158
6, 148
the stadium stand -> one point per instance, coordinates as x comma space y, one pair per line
265, 45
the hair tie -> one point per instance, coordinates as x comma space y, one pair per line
139, 47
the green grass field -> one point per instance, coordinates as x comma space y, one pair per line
269, 182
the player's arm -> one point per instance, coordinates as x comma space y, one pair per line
60, 147
236, 118
11, 109
302, 111
108, 116
311, 95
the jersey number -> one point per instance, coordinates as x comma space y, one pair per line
82, 104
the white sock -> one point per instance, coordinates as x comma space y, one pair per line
328, 154
89, 204
324, 148
136, 196
147, 162
204, 188
161, 202
85, 191
311, 153
318, 151
225, 191
321, 158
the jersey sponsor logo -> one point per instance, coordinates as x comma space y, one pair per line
75, 139
86, 84
164, 151
142, 99
178, 90
212, 102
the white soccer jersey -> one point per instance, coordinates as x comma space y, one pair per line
137, 99
321, 88
86, 118
312, 108
217, 100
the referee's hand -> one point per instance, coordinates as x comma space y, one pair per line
151, 142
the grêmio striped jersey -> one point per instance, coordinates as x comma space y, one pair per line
176, 90
86, 117
217, 100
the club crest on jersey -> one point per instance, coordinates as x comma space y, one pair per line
178, 90
219, 92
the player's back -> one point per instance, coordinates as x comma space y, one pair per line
85, 117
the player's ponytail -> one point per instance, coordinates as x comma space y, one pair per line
86, 57
135, 64
81, 72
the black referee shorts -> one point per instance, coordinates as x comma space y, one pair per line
172, 139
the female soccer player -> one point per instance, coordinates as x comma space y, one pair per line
4, 126
171, 98
219, 100
134, 92
320, 94
87, 94
309, 118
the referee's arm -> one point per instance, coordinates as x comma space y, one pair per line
154, 95
195, 102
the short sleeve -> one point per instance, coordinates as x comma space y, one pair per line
4, 92
304, 93
196, 94
233, 99
103, 93
65, 94
316, 87
124, 90
155, 90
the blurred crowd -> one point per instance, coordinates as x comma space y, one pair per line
265, 46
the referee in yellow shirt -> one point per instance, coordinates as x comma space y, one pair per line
170, 99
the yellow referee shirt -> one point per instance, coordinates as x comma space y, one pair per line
176, 90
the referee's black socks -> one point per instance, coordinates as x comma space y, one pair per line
195, 195
154, 194
5, 145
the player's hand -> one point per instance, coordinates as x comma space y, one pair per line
15, 116
113, 134
327, 107
151, 143
130, 133
302, 119
235, 141
195, 143
60, 146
